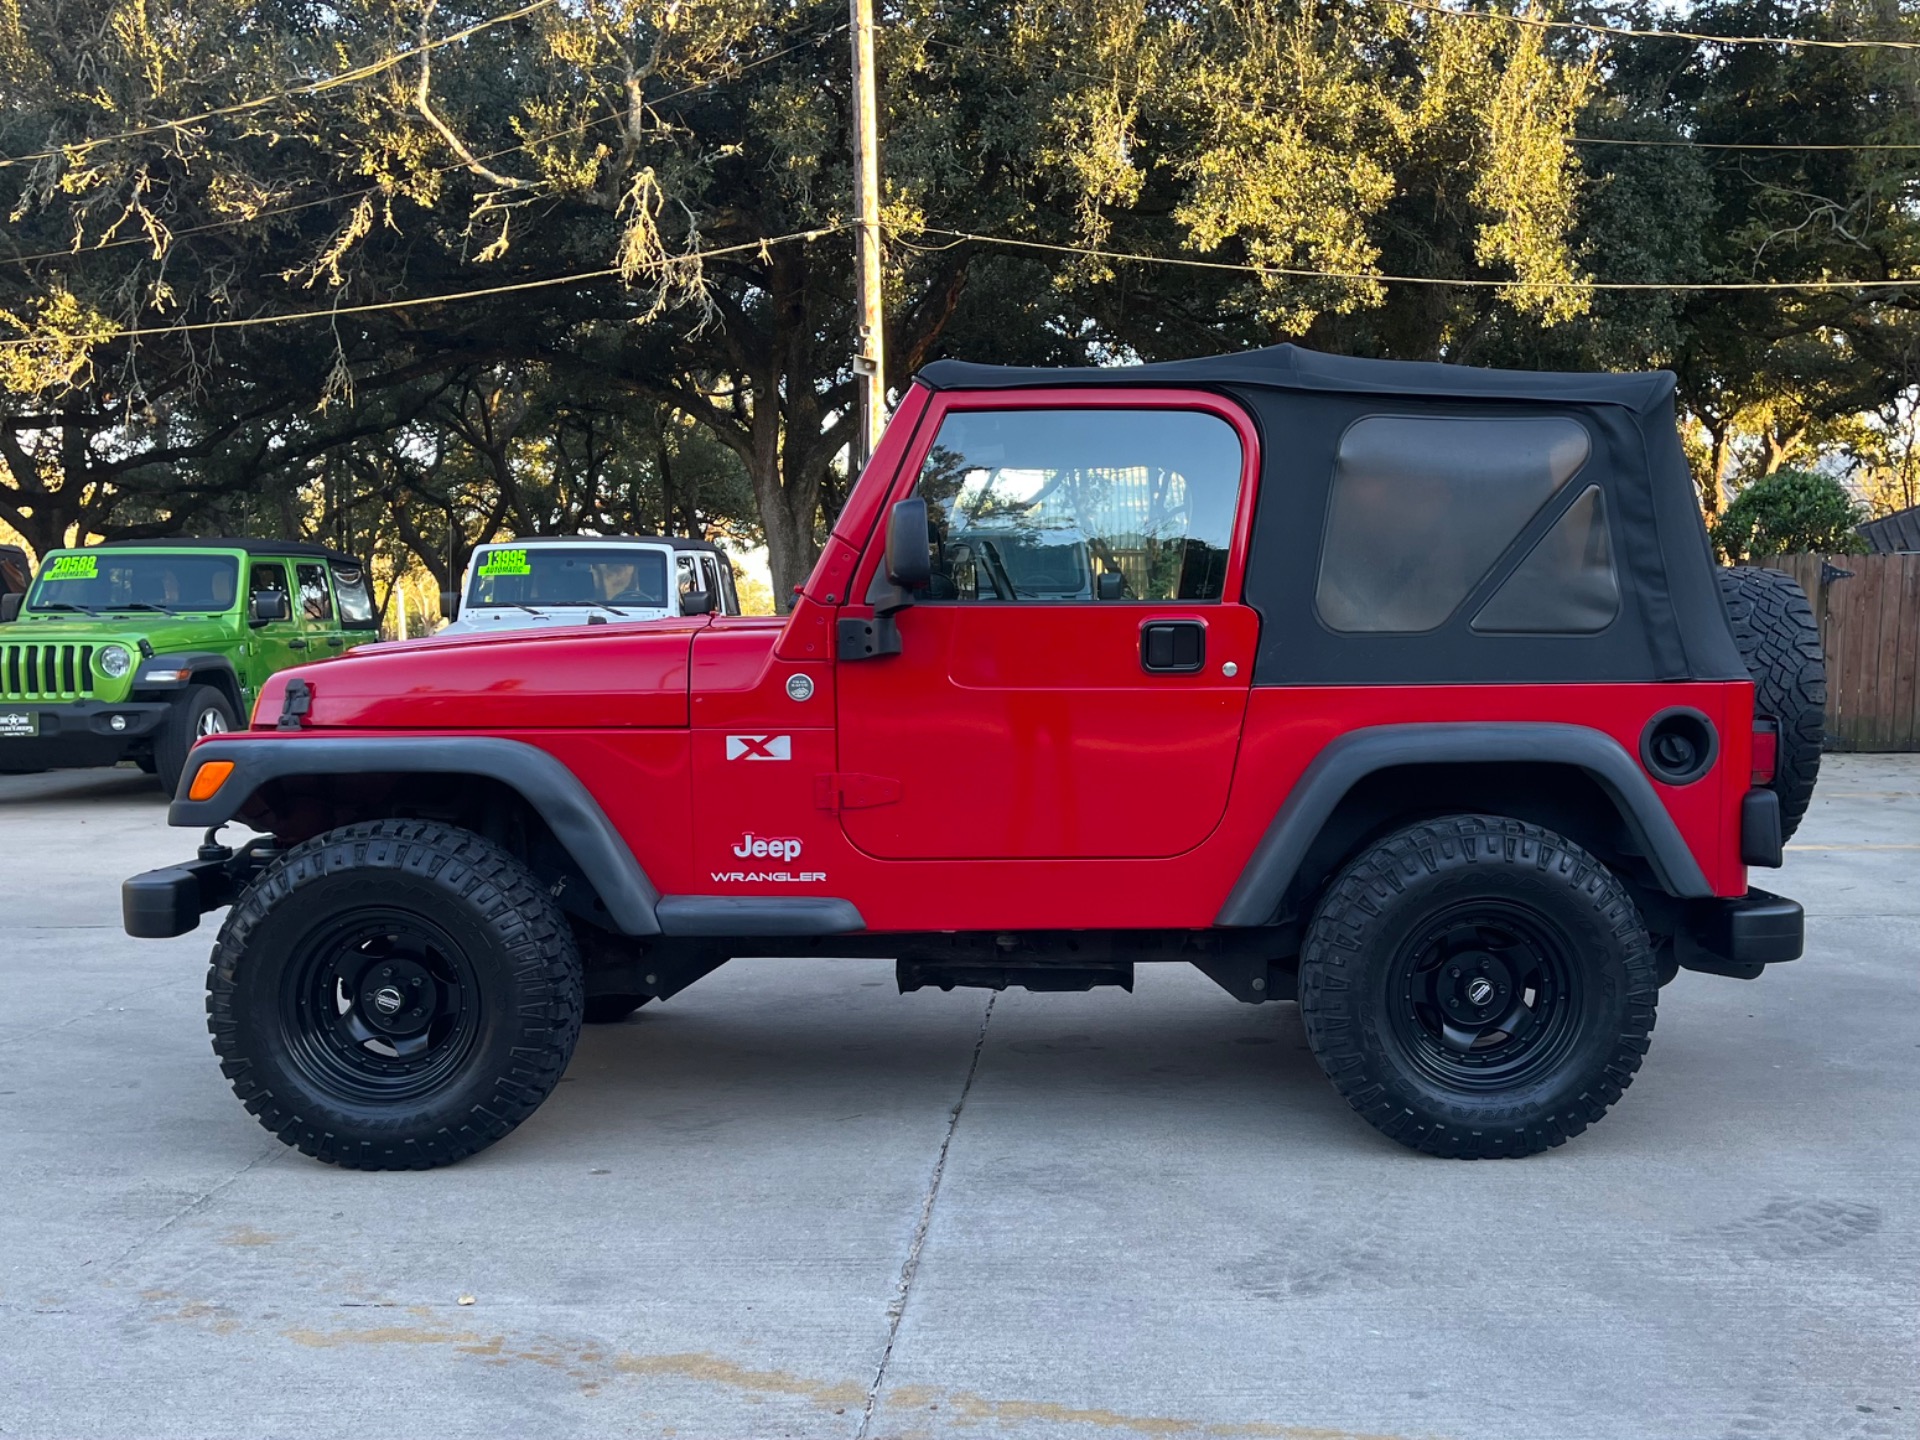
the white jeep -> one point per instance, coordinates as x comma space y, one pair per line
572, 579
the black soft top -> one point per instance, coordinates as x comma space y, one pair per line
1312, 412
1294, 368
251, 545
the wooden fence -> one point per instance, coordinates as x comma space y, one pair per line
1870, 624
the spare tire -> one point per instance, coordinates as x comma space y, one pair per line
1780, 640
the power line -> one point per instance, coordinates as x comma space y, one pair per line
1784, 145
451, 167
959, 237
1270, 111
1623, 32
249, 322
241, 107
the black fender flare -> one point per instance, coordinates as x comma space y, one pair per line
201, 663
1263, 882
544, 783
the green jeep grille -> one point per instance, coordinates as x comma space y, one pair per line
45, 672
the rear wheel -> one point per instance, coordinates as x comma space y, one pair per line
394, 995
1779, 638
200, 712
1478, 987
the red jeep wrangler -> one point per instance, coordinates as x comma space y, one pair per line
1404, 691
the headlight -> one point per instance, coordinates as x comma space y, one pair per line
115, 661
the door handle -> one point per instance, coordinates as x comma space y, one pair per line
296, 644
1173, 647
335, 641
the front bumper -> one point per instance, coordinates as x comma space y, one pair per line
75, 734
164, 903
1742, 936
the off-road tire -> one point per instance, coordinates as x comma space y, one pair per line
1779, 638
184, 723
611, 1009
509, 936
1401, 889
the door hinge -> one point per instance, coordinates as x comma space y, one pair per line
860, 639
834, 793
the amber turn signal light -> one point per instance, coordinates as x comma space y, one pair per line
208, 779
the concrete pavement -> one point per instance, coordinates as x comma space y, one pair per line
794, 1202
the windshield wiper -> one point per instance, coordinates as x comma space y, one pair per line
66, 605
148, 605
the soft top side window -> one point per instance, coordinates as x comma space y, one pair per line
1081, 504
1422, 506
356, 601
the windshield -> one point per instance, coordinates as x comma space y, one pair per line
569, 575
92, 581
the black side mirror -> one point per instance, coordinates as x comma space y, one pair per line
450, 604
1110, 586
268, 606
10, 608
909, 550
697, 602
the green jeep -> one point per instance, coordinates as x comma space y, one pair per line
134, 650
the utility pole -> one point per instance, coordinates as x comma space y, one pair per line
869, 346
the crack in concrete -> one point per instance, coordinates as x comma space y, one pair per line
910, 1267
194, 1208
105, 1007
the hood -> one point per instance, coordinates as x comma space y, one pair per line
163, 632
582, 677
489, 619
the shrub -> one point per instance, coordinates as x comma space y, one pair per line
1788, 512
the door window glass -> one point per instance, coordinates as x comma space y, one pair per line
265, 579
689, 574
1423, 505
316, 596
1081, 505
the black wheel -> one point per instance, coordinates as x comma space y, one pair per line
394, 995
199, 712
612, 1009
1779, 638
1478, 987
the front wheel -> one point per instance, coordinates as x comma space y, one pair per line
201, 711
1478, 987
394, 995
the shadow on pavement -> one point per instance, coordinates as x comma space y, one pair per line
54, 786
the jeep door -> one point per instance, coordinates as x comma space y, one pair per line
1073, 682
316, 609
272, 644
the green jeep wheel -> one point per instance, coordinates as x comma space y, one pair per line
200, 712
